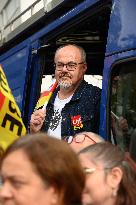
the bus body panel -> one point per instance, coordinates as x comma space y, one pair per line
22, 67
122, 27
16, 64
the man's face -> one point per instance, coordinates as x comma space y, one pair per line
21, 184
66, 76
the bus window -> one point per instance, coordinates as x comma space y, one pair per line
123, 104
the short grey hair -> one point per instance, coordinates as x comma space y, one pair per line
83, 53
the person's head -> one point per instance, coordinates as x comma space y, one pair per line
84, 139
110, 176
38, 169
70, 65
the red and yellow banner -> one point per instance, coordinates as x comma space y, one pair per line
44, 99
11, 124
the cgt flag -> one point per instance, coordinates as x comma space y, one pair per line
44, 99
11, 124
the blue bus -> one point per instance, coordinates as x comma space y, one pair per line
107, 31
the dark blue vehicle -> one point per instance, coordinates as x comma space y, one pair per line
107, 31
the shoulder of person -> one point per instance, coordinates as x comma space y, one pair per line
92, 89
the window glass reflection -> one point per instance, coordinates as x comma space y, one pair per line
123, 105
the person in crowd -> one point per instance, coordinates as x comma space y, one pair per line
110, 175
74, 105
83, 139
39, 170
132, 147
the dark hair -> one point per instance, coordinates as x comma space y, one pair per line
83, 53
1, 152
55, 162
112, 156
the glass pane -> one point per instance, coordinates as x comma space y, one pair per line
123, 105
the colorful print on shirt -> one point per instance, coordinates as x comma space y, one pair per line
77, 122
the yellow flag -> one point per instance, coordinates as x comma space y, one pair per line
11, 124
44, 99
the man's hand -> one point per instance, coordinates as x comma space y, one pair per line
37, 119
123, 124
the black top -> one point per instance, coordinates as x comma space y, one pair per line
80, 114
